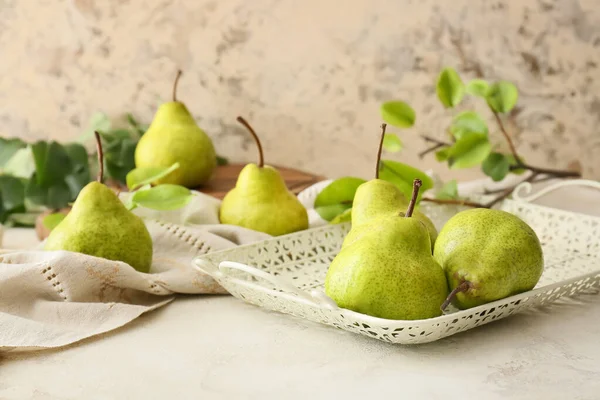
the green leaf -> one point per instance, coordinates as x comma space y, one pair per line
50, 221
398, 113
337, 197
328, 213
442, 154
21, 164
478, 87
12, 192
222, 160
12, 196
448, 192
496, 166
59, 195
132, 121
403, 175
450, 88
392, 143
52, 163
35, 193
468, 121
502, 96
119, 159
340, 191
116, 134
143, 176
80, 172
512, 162
8, 148
139, 128
163, 197
77, 154
346, 216
98, 122
469, 151
22, 219
56, 196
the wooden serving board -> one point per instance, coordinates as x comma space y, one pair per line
226, 176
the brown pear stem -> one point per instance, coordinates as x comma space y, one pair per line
413, 200
383, 126
463, 287
100, 177
179, 73
261, 159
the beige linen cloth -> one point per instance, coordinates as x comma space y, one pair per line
51, 299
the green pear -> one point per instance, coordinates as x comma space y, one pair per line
261, 200
389, 272
488, 255
99, 225
174, 136
378, 198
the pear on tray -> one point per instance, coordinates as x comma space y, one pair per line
387, 269
100, 225
174, 137
377, 198
488, 255
261, 200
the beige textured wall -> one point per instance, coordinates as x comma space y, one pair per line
309, 74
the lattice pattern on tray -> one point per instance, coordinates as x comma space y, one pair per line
296, 266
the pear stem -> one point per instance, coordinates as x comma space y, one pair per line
100, 177
261, 159
463, 287
383, 126
413, 200
179, 73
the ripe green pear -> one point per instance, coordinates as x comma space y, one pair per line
261, 200
377, 198
99, 225
388, 271
174, 136
488, 255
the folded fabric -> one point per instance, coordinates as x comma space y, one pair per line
51, 299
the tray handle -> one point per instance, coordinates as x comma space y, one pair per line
523, 190
315, 297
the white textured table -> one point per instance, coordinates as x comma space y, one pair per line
217, 347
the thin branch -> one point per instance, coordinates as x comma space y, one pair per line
431, 149
434, 140
507, 192
542, 179
511, 145
558, 173
503, 195
457, 202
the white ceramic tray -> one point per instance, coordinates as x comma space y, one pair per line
286, 273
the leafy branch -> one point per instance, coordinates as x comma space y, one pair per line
41, 178
470, 144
